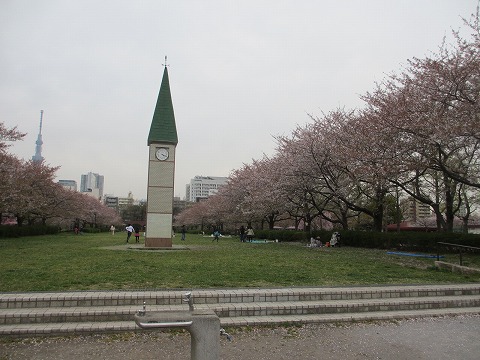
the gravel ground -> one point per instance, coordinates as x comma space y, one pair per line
428, 338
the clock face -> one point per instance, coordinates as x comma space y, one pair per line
161, 154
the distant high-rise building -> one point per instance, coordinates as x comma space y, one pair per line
69, 184
38, 147
126, 201
111, 201
92, 184
417, 210
201, 187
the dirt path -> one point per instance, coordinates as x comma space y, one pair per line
431, 338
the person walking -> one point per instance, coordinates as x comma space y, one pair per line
137, 235
216, 235
129, 230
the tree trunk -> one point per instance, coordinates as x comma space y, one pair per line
377, 213
19, 220
271, 221
378, 218
448, 204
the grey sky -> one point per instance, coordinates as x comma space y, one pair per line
240, 73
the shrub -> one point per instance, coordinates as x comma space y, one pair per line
407, 241
280, 235
92, 230
9, 231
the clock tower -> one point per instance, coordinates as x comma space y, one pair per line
162, 142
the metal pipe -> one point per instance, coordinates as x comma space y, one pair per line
152, 325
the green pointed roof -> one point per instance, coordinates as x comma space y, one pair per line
163, 128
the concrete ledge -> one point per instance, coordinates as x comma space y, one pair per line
456, 268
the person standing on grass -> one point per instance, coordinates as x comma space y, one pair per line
242, 233
216, 235
112, 229
129, 229
137, 235
183, 232
250, 234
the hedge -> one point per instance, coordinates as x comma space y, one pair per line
10, 231
408, 241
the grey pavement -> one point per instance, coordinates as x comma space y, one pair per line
426, 330
424, 339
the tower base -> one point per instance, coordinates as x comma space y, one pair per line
158, 242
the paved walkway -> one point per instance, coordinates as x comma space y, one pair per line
448, 338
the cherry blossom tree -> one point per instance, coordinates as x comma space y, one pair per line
8, 135
28, 190
8, 164
194, 215
432, 113
417, 136
341, 162
35, 181
305, 182
8, 191
256, 192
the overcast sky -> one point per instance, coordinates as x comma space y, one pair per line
241, 72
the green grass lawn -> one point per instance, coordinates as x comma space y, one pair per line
70, 262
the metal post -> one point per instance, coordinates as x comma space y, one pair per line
203, 326
205, 336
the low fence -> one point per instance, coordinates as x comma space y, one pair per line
461, 249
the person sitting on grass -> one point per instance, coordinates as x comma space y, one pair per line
315, 242
335, 240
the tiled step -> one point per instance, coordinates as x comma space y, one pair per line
231, 310
57, 313
136, 298
345, 317
121, 326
